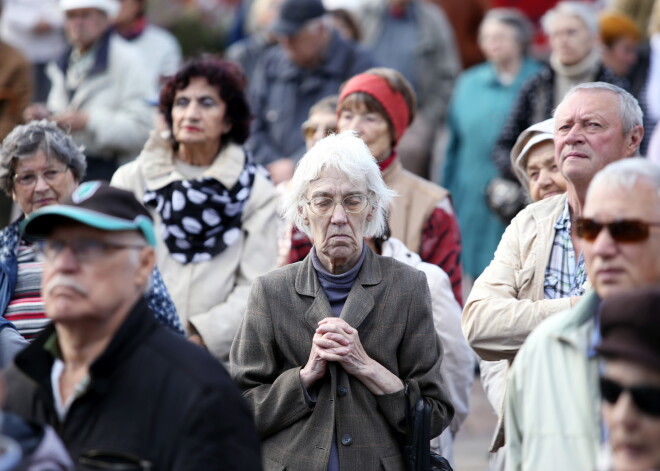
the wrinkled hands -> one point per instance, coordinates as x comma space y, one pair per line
336, 340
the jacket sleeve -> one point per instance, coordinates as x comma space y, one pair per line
495, 321
277, 398
218, 325
229, 442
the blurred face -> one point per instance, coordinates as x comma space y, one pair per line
372, 127
319, 125
570, 40
621, 57
338, 236
498, 42
305, 48
84, 26
41, 181
198, 114
634, 435
93, 287
589, 135
614, 266
543, 173
128, 12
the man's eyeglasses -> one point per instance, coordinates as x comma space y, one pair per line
309, 130
646, 398
50, 175
622, 230
324, 206
84, 250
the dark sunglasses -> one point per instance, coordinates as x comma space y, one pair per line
646, 398
622, 230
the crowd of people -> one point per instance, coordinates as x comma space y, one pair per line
248, 262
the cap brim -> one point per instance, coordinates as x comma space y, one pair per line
285, 28
42, 222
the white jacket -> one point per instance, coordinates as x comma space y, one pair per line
458, 363
210, 296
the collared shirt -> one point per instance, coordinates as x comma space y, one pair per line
563, 276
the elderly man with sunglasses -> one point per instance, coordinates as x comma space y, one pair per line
553, 406
122, 391
538, 269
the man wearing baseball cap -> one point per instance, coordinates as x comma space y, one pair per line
116, 385
100, 88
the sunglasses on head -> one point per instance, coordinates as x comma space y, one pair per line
646, 398
622, 230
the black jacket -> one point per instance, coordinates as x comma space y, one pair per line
152, 395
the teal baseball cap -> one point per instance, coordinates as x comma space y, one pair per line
95, 204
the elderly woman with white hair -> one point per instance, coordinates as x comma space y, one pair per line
333, 349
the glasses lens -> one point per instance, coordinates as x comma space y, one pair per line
308, 131
354, 203
322, 205
610, 390
588, 228
628, 231
647, 399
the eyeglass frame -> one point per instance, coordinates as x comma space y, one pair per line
611, 226
102, 248
311, 128
50, 180
644, 397
367, 199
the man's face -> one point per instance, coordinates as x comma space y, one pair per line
634, 435
614, 266
84, 26
570, 40
90, 275
305, 48
589, 134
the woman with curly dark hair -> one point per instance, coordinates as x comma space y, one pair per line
214, 206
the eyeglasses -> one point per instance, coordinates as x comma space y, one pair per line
622, 230
50, 175
324, 206
646, 398
84, 250
309, 130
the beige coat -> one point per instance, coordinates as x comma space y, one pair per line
390, 306
210, 297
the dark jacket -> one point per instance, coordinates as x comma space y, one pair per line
281, 94
535, 103
152, 394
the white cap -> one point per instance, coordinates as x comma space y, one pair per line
536, 133
109, 7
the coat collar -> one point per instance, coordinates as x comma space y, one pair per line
359, 302
100, 59
578, 322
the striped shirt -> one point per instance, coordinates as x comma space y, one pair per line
26, 308
564, 277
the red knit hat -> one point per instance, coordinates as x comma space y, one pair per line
391, 100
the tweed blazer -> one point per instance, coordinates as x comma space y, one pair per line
390, 306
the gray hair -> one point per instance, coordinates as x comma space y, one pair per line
629, 110
26, 140
581, 10
515, 19
348, 154
626, 173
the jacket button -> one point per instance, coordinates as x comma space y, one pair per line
342, 391
347, 440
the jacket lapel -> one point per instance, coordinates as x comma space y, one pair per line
308, 285
360, 301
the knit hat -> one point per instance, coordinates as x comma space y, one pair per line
392, 101
630, 326
535, 134
109, 7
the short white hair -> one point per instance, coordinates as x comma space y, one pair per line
583, 11
348, 154
626, 173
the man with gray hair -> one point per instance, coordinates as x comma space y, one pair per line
311, 61
538, 269
122, 391
553, 406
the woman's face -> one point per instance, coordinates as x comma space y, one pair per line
198, 114
498, 42
372, 127
41, 181
337, 236
622, 56
319, 125
570, 40
634, 435
545, 180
